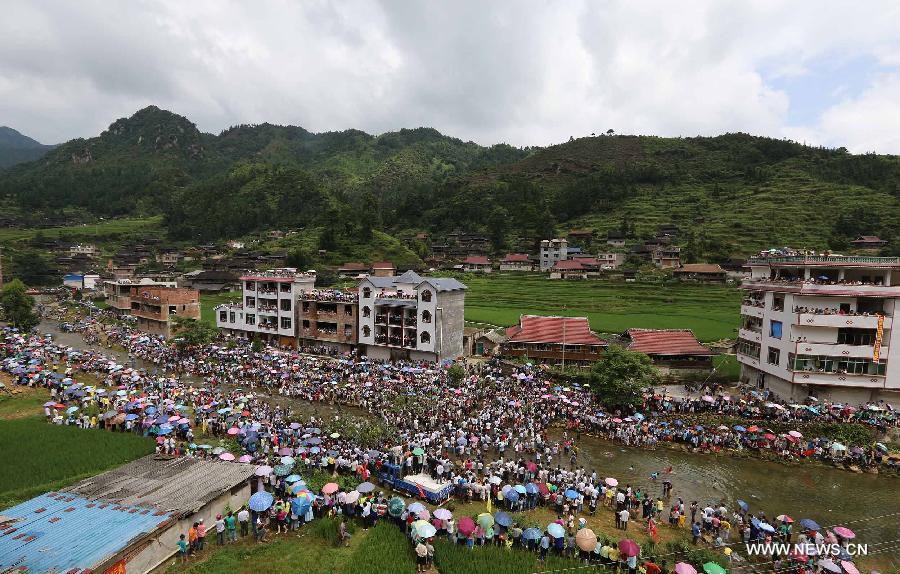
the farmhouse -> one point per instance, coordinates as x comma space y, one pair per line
705, 272
127, 520
516, 262
674, 351
553, 340
477, 264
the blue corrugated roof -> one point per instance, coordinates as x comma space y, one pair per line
62, 532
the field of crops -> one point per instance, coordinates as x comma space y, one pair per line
209, 302
457, 559
711, 311
38, 457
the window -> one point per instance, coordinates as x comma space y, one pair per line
775, 329
251, 319
367, 331
425, 337
285, 304
223, 316
348, 310
232, 317
861, 337
285, 322
841, 365
251, 286
367, 293
748, 348
778, 302
173, 309
426, 296
426, 316
306, 323
774, 357
348, 331
366, 311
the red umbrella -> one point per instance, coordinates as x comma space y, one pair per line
542, 487
629, 547
466, 526
752, 428
769, 436
531, 466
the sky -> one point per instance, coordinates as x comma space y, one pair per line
515, 71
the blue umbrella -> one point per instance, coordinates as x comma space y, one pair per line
571, 494
739, 428
511, 495
71, 410
678, 423
299, 506
744, 506
810, 524
503, 519
292, 479
556, 530
531, 534
261, 501
131, 417
531, 488
520, 488
699, 428
416, 507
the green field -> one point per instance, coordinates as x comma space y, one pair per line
209, 302
38, 456
712, 312
92, 232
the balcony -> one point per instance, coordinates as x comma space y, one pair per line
839, 379
839, 350
750, 335
836, 321
752, 311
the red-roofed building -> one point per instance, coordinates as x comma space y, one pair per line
554, 340
383, 269
516, 262
477, 264
672, 350
868, 242
568, 269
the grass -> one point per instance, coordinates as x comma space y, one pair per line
712, 312
38, 457
93, 232
209, 302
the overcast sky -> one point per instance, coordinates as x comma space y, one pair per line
521, 72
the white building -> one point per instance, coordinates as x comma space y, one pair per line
268, 307
87, 249
553, 250
411, 317
822, 326
610, 260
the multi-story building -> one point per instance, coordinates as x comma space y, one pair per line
666, 256
516, 262
88, 249
821, 326
554, 340
610, 260
118, 292
553, 250
328, 318
411, 317
268, 306
154, 306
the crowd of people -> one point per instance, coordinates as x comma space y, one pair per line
486, 432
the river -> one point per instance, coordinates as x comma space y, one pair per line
827, 495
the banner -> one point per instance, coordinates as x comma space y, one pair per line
878, 334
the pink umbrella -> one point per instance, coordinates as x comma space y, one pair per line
264, 470
245, 458
330, 488
284, 451
611, 482
466, 526
849, 567
226, 456
617, 420
423, 514
183, 421
795, 434
630, 548
443, 514
233, 431
708, 398
684, 568
844, 532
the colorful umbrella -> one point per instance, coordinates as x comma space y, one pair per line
586, 539
330, 488
466, 526
810, 524
844, 532
713, 568
263, 470
611, 482
261, 501
485, 520
629, 547
226, 456
443, 514
396, 506
849, 567
684, 568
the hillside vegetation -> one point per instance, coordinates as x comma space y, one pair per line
729, 195
18, 148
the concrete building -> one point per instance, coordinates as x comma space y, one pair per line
155, 307
516, 262
821, 326
666, 256
118, 291
552, 251
411, 317
610, 260
477, 264
268, 306
328, 319
125, 520
553, 340
86, 249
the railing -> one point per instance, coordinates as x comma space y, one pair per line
827, 259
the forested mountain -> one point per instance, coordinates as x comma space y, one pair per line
18, 148
729, 194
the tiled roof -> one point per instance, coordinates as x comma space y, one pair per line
446, 284
383, 265
539, 329
477, 260
353, 266
181, 485
61, 532
666, 342
516, 258
568, 265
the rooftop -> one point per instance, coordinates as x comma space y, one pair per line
477, 260
665, 342
826, 261
516, 258
541, 329
700, 268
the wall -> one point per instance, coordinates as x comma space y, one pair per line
452, 324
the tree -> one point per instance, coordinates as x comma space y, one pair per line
456, 373
620, 377
299, 258
18, 306
190, 332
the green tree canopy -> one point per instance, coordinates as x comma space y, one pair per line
191, 332
18, 306
620, 376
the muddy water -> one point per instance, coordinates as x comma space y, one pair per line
829, 496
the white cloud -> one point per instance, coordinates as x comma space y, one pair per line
527, 72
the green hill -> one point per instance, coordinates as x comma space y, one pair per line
18, 148
728, 195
